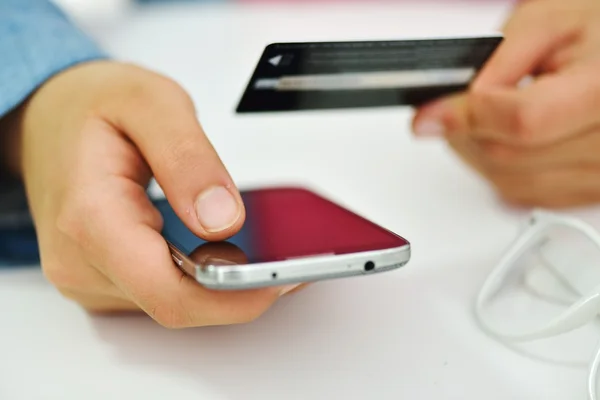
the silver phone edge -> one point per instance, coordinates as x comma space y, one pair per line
299, 270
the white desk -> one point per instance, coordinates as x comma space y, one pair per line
404, 335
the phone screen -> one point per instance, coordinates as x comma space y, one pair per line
283, 224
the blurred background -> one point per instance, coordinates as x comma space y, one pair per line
107, 7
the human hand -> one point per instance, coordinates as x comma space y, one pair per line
538, 144
88, 142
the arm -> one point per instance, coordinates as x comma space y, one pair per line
88, 140
38, 41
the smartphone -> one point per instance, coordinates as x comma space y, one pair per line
290, 235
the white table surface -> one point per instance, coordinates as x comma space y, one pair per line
403, 335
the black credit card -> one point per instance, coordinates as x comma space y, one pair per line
329, 75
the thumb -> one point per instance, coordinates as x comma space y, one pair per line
447, 116
483, 114
162, 123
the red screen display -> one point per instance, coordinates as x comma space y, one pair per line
284, 223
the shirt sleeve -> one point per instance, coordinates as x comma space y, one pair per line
37, 40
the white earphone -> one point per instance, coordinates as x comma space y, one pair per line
583, 311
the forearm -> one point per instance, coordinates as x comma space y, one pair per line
38, 41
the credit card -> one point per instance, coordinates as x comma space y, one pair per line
330, 75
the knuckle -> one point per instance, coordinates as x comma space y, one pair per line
53, 272
157, 89
59, 275
499, 156
169, 87
137, 89
78, 207
66, 221
477, 98
477, 93
513, 199
521, 189
480, 103
526, 123
507, 190
67, 225
69, 293
503, 182
521, 120
510, 194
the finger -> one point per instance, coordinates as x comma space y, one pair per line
466, 149
161, 120
137, 260
553, 187
568, 187
531, 37
221, 252
68, 270
226, 253
581, 150
172, 298
445, 117
552, 108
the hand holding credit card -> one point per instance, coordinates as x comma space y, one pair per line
330, 75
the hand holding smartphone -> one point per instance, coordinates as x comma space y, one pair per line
291, 235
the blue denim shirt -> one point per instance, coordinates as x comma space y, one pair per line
37, 40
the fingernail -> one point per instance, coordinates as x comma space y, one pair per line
286, 289
217, 209
430, 127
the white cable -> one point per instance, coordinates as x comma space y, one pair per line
576, 316
593, 376
581, 312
